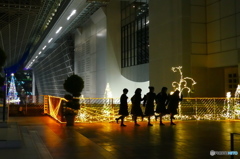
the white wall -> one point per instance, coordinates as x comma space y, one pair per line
115, 78
90, 54
97, 55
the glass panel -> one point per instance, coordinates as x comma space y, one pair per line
135, 38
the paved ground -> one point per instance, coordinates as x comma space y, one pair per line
44, 138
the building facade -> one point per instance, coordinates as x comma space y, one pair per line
134, 44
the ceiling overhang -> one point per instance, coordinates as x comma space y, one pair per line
74, 15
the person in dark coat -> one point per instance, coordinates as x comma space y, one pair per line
123, 110
136, 105
149, 104
173, 104
162, 102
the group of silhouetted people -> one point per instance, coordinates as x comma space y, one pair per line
166, 104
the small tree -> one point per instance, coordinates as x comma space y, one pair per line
74, 85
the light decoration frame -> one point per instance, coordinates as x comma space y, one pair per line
182, 85
236, 107
228, 111
202, 108
54, 111
12, 95
82, 113
106, 110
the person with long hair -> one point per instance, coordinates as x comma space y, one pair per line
123, 110
162, 102
149, 99
136, 105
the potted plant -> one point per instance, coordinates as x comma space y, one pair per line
74, 84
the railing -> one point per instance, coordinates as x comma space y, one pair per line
209, 108
33, 109
106, 109
28, 106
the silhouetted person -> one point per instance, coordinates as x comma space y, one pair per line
173, 104
136, 108
23, 97
162, 102
149, 104
123, 110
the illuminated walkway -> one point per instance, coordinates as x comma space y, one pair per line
45, 138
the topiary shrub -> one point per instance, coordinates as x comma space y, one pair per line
74, 84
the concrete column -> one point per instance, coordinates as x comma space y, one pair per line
169, 32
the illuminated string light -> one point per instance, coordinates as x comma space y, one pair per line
236, 106
106, 110
227, 111
54, 110
12, 96
82, 113
181, 85
92, 109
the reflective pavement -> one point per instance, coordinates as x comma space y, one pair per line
43, 137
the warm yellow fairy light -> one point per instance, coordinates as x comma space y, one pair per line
227, 109
106, 109
54, 111
228, 95
182, 84
236, 106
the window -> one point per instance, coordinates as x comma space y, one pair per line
232, 82
135, 33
